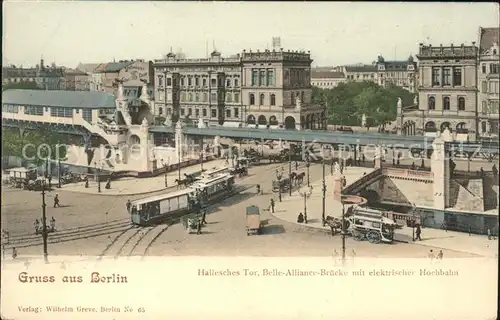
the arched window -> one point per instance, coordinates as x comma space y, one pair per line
252, 99
461, 104
261, 99
160, 111
293, 98
205, 96
197, 97
190, 97
273, 99
432, 103
446, 103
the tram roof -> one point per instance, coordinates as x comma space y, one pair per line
163, 196
59, 98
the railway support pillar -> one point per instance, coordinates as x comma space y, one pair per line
178, 141
440, 168
338, 179
378, 157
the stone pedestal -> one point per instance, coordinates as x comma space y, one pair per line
338, 182
378, 158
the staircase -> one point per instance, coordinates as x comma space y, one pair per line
363, 182
111, 138
466, 199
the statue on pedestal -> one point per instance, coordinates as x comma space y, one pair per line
144, 122
400, 103
446, 135
168, 121
415, 100
201, 124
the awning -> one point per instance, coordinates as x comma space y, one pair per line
232, 124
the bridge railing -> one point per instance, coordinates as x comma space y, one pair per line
410, 174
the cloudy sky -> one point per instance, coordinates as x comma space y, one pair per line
336, 33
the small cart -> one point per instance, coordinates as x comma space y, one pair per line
253, 220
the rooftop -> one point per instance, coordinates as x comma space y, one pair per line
451, 51
112, 66
327, 75
488, 37
59, 98
362, 68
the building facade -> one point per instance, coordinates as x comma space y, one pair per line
14, 74
447, 93
256, 89
76, 80
46, 77
360, 72
327, 79
488, 81
131, 72
397, 73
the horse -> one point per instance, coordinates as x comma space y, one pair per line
183, 183
299, 179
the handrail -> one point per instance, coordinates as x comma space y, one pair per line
348, 189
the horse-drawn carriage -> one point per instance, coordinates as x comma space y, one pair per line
21, 177
283, 184
371, 225
253, 220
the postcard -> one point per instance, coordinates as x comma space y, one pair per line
241, 160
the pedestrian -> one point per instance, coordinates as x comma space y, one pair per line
272, 205
14, 253
422, 164
398, 162
296, 165
86, 182
431, 255
129, 204
37, 226
300, 218
53, 224
440, 255
495, 171
50, 181
412, 167
204, 216
481, 170
198, 230
418, 231
489, 233
56, 201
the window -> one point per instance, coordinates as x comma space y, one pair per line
213, 97
229, 97
483, 127
197, 81
214, 82
484, 108
228, 83
435, 76
252, 99
183, 96
190, 111
228, 113
273, 99
204, 112
204, 82
447, 77
461, 104
236, 112
169, 111
493, 68
302, 96
270, 77
236, 97
493, 87
214, 113
262, 78
494, 51
86, 114
160, 81
197, 113
432, 103
484, 87
182, 81
293, 98
261, 99
196, 97
483, 68
182, 111
446, 103
457, 76
33, 110
190, 81
160, 111
236, 82
205, 96
255, 77
190, 97
169, 81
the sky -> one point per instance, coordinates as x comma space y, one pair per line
68, 33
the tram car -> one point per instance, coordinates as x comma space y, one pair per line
371, 225
156, 209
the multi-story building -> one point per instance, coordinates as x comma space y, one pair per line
447, 93
398, 73
45, 77
360, 72
14, 74
134, 71
327, 79
257, 89
76, 80
488, 81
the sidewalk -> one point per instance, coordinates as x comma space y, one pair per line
137, 186
290, 207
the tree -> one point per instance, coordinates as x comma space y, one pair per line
21, 85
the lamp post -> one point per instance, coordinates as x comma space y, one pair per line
179, 167
343, 231
279, 176
202, 153
164, 164
331, 166
413, 221
324, 195
58, 172
289, 170
305, 195
44, 225
307, 166
98, 176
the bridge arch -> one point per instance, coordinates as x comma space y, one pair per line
251, 119
290, 122
134, 139
370, 195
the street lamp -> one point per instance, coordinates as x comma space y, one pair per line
58, 172
164, 164
98, 176
414, 208
279, 176
306, 195
289, 170
202, 153
44, 224
343, 231
324, 195
307, 166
